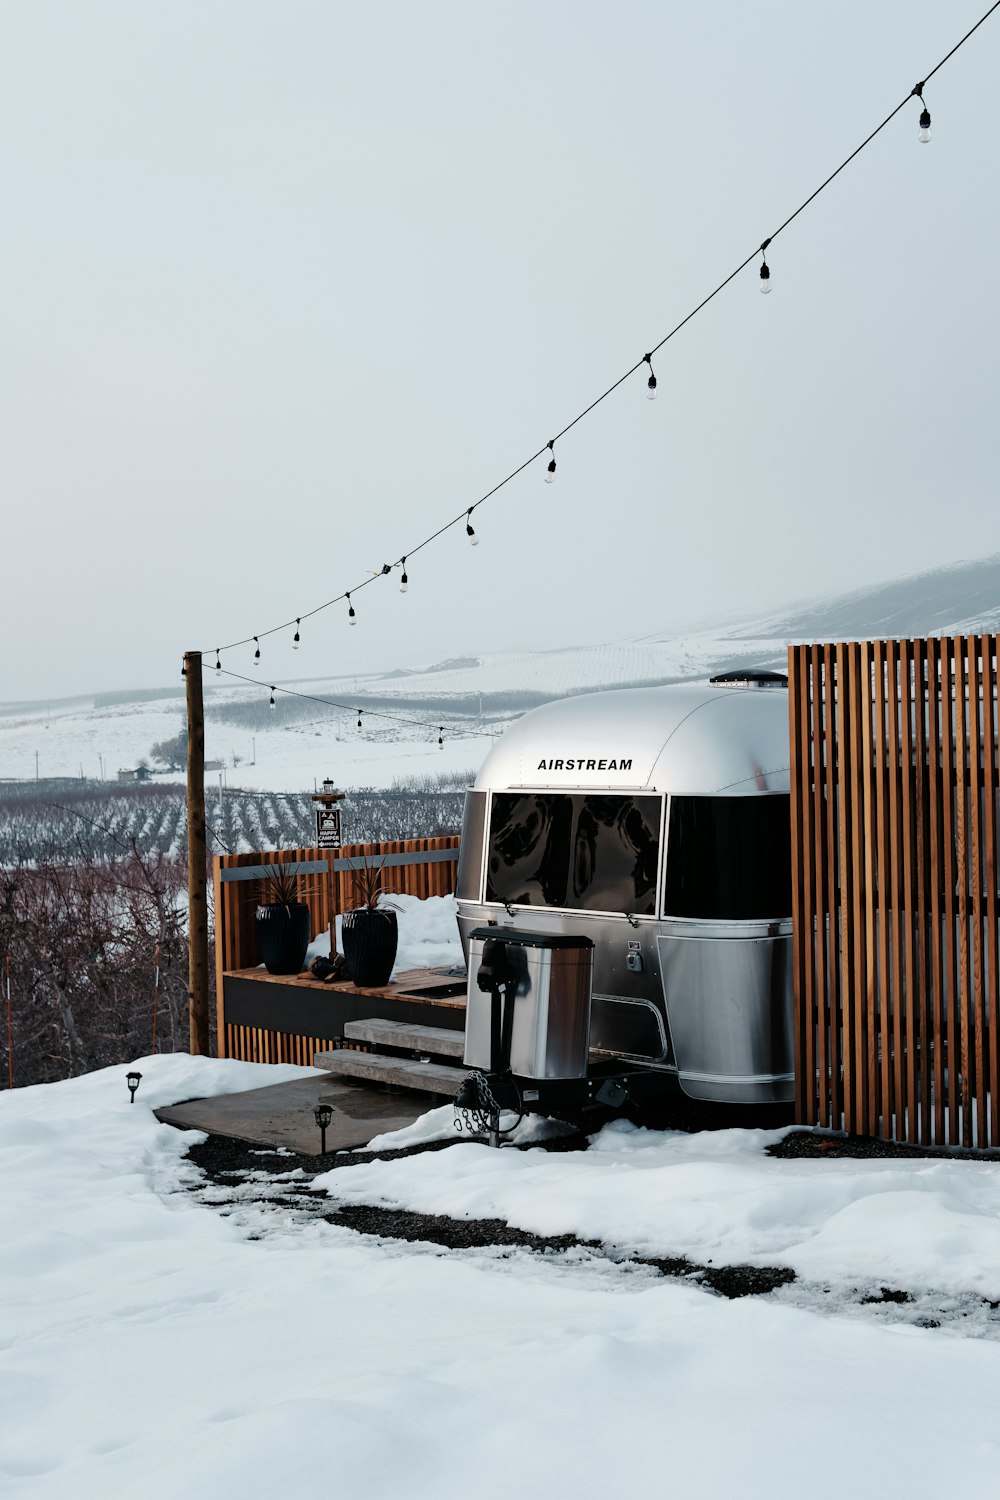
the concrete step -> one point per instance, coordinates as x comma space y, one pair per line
402, 1072
437, 1040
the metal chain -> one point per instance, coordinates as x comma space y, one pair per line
484, 1116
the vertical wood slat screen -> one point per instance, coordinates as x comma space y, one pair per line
236, 903
251, 1044
894, 772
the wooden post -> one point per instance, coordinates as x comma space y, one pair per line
197, 859
328, 838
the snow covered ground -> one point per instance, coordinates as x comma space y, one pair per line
921, 1225
285, 758
150, 1346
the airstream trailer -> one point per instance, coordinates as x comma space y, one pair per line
624, 896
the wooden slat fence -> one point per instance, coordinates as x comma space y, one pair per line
894, 863
252, 1044
412, 867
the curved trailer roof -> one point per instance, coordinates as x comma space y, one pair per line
690, 739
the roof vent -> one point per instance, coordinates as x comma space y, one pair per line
750, 677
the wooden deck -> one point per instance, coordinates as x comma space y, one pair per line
289, 1018
265, 1017
429, 985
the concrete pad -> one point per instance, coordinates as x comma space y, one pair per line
282, 1113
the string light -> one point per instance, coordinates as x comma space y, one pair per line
373, 713
296, 637
256, 655
404, 582
360, 711
440, 736
351, 616
218, 662
924, 123
765, 269
765, 287
470, 533
272, 704
550, 468
651, 382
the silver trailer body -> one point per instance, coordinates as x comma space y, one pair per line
654, 821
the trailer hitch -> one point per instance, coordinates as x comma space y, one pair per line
483, 1097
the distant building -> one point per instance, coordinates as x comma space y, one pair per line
140, 773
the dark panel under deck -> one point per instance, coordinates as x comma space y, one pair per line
308, 1010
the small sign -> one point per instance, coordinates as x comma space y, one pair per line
328, 827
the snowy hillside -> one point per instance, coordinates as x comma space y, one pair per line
472, 696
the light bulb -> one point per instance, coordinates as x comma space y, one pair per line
359, 718
924, 134
295, 637
351, 616
440, 737
218, 663
470, 533
256, 655
765, 278
651, 387
271, 704
550, 472
404, 581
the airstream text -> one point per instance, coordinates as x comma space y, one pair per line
585, 765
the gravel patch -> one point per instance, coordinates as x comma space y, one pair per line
237, 1174
812, 1143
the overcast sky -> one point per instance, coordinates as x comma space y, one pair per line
286, 285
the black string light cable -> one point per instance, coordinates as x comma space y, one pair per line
645, 362
351, 708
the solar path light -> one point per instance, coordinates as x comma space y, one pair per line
133, 1083
324, 1114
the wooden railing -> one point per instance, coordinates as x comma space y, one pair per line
895, 902
325, 882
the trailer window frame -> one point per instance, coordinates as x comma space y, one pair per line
635, 794
477, 800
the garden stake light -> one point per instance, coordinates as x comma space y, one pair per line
133, 1083
324, 1114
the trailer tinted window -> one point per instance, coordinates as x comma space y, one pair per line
584, 853
529, 849
729, 858
616, 843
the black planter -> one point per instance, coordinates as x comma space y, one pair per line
283, 937
370, 942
